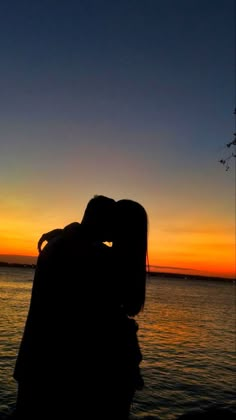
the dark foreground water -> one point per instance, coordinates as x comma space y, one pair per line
187, 333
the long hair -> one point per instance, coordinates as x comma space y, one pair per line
130, 249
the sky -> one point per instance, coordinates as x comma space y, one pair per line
129, 99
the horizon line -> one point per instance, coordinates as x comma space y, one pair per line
197, 273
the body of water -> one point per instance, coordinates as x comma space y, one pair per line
187, 334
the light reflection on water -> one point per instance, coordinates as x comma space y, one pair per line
186, 332
187, 335
15, 289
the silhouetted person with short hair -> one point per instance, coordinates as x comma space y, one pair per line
79, 352
61, 285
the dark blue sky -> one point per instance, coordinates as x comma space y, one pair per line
146, 63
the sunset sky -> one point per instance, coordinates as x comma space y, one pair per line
129, 99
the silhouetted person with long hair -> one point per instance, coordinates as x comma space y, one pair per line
129, 254
79, 352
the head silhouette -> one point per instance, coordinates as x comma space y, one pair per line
130, 246
98, 218
97, 221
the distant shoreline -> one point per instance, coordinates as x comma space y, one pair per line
190, 276
151, 273
18, 265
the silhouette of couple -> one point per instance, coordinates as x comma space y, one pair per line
79, 356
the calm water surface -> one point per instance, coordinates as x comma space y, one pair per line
187, 333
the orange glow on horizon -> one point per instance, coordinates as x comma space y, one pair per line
182, 248
208, 267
